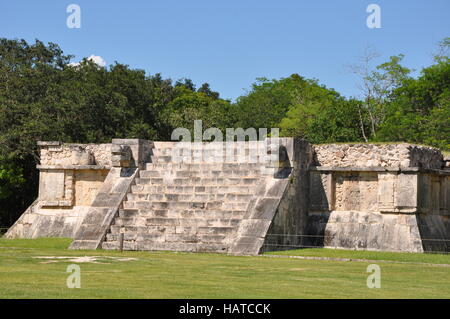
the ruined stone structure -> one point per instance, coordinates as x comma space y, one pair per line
171, 196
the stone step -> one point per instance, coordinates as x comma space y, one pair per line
143, 220
128, 212
195, 197
209, 149
209, 155
197, 181
209, 145
161, 159
167, 246
174, 189
168, 226
200, 238
214, 205
226, 160
204, 166
207, 214
201, 173
115, 229
212, 146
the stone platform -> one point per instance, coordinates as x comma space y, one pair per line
241, 197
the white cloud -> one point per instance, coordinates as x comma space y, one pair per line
94, 58
97, 60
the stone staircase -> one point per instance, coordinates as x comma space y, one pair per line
187, 203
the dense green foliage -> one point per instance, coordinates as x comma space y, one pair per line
419, 110
44, 97
299, 107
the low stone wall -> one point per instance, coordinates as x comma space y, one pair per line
378, 155
379, 208
65, 196
366, 231
70, 176
57, 154
101, 153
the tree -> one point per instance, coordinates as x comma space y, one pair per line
419, 111
376, 88
267, 103
324, 117
299, 107
188, 107
207, 91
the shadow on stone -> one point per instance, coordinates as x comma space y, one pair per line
284, 168
434, 232
127, 171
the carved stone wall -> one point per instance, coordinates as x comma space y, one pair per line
383, 209
58, 154
378, 155
355, 191
56, 187
87, 183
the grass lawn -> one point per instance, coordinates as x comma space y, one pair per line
368, 255
188, 275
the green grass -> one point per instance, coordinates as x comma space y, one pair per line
369, 255
188, 275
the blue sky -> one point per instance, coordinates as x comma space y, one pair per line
230, 43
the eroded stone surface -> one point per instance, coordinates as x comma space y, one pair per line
382, 155
76, 154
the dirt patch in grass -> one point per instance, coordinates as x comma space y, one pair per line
83, 259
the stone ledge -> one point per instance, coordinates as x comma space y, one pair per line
363, 169
48, 143
378, 169
129, 141
56, 203
74, 167
382, 211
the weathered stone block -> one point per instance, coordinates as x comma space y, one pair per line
386, 189
406, 192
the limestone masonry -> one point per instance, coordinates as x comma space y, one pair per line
241, 197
